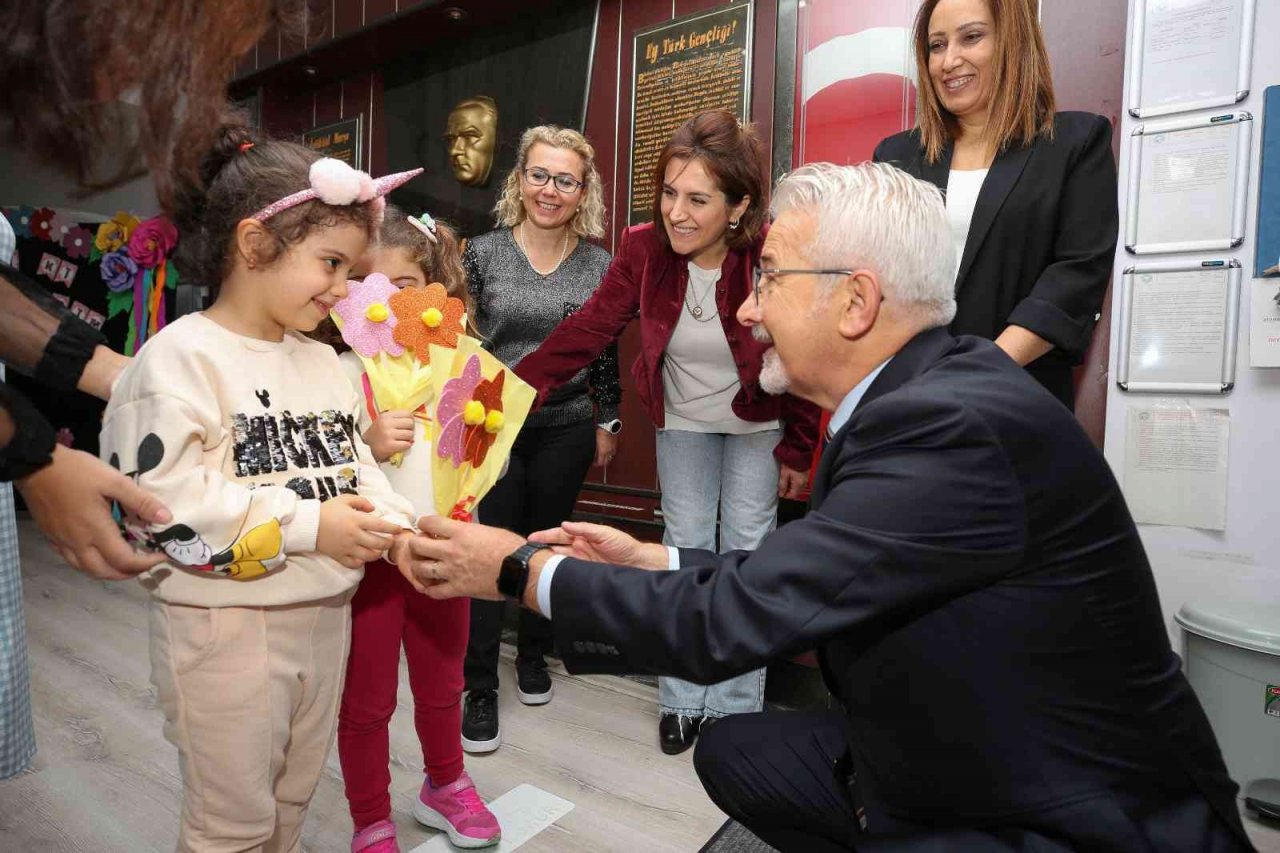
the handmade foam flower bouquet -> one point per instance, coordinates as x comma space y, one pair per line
478, 409
393, 332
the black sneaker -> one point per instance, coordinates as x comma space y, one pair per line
533, 683
480, 730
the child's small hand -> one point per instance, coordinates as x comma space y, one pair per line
350, 533
390, 434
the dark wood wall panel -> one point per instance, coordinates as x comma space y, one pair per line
376, 10
348, 16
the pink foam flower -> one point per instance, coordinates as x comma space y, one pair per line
368, 323
454, 397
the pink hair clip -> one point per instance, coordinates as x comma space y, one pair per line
336, 183
425, 224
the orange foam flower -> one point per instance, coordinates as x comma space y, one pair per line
477, 439
426, 316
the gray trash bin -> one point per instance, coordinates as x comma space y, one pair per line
1232, 654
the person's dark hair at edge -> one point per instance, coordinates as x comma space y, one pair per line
68, 67
244, 172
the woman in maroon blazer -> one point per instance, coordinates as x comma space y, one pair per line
725, 448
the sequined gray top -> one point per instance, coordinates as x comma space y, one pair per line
516, 309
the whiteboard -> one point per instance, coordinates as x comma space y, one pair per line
1178, 327
1189, 55
1188, 182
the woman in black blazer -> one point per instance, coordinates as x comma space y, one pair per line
1031, 193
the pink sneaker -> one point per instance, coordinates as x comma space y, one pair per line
377, 837
457, 809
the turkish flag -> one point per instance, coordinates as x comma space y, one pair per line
855, 85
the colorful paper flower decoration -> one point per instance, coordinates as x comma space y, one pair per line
114, 233
427, 316
152, 241
20, 219
471, 415
119, 271
474, 423
78, 242
42, 224
368, 324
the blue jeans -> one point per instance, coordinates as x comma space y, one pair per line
738, 476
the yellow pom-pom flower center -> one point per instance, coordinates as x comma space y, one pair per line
494, 421
473, 413
432, 317
376, 313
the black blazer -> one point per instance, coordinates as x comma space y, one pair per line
1043, 236
981, 604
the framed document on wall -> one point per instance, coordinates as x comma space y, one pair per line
681, 68
340, 140
1190, 55
1178, 327
1188, 183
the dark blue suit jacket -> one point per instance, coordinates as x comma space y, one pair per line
982, 607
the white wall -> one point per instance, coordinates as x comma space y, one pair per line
1243, 562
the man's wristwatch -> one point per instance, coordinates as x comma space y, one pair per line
514, 575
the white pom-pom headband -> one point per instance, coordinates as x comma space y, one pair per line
334, 182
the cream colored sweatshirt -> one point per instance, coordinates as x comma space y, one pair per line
242, 439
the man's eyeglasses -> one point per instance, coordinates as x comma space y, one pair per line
565, 183
771, 274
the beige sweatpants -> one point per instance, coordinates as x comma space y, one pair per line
250, 699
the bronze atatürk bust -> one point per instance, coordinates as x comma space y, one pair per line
470, 137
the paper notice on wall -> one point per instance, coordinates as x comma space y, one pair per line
1264, 323
1175, 468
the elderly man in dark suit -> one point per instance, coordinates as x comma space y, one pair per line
969, 574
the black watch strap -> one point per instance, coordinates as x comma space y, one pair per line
513, 577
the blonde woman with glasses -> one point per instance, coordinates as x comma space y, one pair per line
532, 271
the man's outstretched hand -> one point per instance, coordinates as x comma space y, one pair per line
601, 544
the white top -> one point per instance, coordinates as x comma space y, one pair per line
963, 187
699, 377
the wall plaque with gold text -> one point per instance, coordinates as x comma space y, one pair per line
681, 68
340, 140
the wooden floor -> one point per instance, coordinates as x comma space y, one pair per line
106, 780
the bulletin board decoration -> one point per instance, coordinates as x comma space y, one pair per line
134, 255
129, 255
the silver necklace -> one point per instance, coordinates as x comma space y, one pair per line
695, 310
563, 249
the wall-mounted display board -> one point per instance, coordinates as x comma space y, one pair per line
341, 140
1190, 55
681, 68
1178, 327
1188, 180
